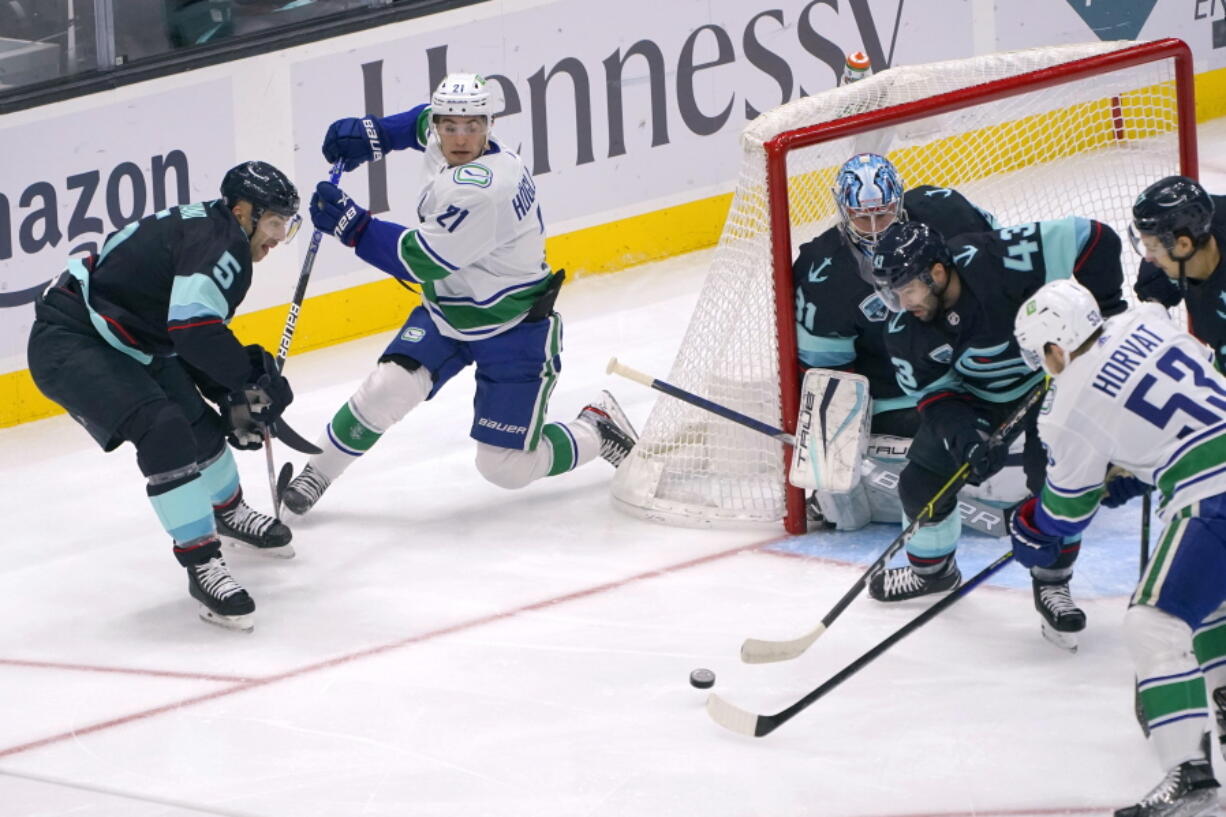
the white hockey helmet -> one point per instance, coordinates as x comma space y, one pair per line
1062, 312
462, 95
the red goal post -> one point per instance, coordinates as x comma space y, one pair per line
1028, 135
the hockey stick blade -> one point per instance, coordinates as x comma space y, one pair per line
738, 720
283, 432
283, 480
764, 651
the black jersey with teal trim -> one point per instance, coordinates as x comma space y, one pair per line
1206, 299
970, 347
167, 284
840, 319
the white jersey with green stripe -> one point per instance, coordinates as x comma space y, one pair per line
478, 251
1144, 397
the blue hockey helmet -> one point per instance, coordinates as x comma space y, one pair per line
868, 193
1169, 208
906, 251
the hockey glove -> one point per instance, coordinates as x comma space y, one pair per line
332, 211
1122, 488
355, 141
1153, 285
968, 443
1032, 547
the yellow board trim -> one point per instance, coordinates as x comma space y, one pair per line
382, 306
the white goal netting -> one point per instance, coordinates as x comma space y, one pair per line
1056, 145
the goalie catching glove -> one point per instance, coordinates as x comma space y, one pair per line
257, 405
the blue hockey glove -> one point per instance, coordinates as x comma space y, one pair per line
355, 141
1153, 285
334, 212
1032, 547
1121, 489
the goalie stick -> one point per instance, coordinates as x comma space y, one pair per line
763, 651
277, 483
738, 720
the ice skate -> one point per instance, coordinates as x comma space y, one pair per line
1219, 713
1062, 618
813, 512
1188, 790
305, 490
223, 601
245, 526
902, 583
617, 436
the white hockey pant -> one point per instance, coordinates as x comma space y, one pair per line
1172, 685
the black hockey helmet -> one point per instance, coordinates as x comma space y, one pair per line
263, 185
1172, 207
906, 251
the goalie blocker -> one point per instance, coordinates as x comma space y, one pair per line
855, 473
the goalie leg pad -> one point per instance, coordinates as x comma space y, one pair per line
847, 511
831, 431
1169, 677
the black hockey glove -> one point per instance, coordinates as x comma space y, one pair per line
965, 436
259, 403
1153, 285
355, 141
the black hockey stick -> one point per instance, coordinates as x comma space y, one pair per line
1137, 708
747, 723
681, 394
287, 435
763, 651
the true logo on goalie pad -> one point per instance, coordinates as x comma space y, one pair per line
831, 431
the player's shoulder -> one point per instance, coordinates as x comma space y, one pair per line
817, 259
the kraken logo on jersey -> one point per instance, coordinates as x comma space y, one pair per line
966, 256
942, 354
1220, 313
815, 272
981, 364
875, 309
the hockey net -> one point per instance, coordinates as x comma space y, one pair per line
1028, 135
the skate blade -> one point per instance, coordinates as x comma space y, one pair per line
243, 624
285, 551
1065, 641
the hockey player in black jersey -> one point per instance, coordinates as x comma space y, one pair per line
840, 318
1180, 230
128, 340
951, 340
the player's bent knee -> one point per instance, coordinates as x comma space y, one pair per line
163, 438
1156, 638
507, 467
388, 393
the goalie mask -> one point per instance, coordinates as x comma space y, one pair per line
868, 192
1062, 312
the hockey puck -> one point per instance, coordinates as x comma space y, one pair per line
702, 679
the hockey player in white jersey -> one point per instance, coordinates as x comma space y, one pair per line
1138, 392
477, 252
